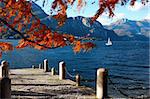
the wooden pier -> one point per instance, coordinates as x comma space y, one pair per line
39, 83
35, 83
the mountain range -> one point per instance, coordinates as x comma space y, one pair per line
123, 29
131, 28
78, 26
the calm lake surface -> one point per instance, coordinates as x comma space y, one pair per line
127, 62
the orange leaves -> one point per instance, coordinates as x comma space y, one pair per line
61, 7
10, 2
19, 27
39, 47
85, 46
81, 3
11, 13
77, 46
59, 40
132, 2
22, 44
54, 40
109, 6
15, 12
61, 18
18, 17
25, 43
35, 24
5, 46
112, 1
47, 40
71, 1
88, 46
70, 38
1, 29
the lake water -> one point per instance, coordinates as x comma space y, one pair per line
127, 62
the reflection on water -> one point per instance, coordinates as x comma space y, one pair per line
127, 62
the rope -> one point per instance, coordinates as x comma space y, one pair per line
72, 76
117, 89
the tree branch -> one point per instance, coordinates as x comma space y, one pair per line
23, 37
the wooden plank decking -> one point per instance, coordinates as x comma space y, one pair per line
34, 83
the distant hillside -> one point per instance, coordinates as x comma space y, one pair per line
132, 29
78, 26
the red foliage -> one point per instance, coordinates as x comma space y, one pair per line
77, 47
85, 46
17, 15
5, 46
104, 6
22, 44
88, 46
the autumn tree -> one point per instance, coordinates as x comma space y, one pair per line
17, 15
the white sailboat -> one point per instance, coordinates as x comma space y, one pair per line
109, 42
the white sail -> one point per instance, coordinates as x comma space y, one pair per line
109, 42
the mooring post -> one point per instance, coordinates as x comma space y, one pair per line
53, 71
77, 80
40, 66
33, 66
62, 72
45, 65
4, 69
101, 85
5, 82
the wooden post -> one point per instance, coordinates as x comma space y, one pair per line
45, 65
33, 66
4, 69
40, 66
53, 71
5, 88
77, 80
62, 72
101, 86
5, 82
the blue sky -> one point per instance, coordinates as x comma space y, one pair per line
137, 12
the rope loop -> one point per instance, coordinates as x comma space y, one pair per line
72, 76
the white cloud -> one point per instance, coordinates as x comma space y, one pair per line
137, 6
119, 16
148, 16
105, 20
